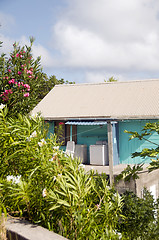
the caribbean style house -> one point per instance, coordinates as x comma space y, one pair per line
94, 116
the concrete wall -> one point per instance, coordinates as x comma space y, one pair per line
18, 229
147, 180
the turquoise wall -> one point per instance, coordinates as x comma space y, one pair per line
126, 147
89, 135
51, 127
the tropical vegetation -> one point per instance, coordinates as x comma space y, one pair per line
41, 183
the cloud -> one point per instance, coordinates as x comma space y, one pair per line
7, 21
100, 76
37, 49
121, 35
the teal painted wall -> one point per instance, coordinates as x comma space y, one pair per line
51, 127
89, 135
126, 147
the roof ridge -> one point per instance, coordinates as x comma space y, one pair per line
104, 83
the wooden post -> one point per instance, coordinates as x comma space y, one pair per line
110, 152
70, 132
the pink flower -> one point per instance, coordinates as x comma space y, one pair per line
11, 81
6, 77
10, 91
26, 94
19, 73
27, 86
9, 70
61, 123
5, 92
17, 55
29, 72
30, 76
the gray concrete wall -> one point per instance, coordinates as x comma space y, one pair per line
18, 229
147, 180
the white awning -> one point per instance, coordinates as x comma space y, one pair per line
90, 123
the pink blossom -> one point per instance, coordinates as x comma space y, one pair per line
11, 81
26, 94
6, 77
61, 123
5, 98
17, 55
30, 76
29, 72
19, 73
9, 70
5, 92
10, 91
27, 86
23, 51
19, 84
16, 83
21, 56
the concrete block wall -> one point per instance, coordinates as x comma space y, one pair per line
18, 229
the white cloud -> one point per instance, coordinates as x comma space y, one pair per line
7, 21
100, 76
109, 34
37, 49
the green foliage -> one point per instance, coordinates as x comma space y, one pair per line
44, 185
22, 81
153, 152
139, 222
111, 79
130, 173
20, 143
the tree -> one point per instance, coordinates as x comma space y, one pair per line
153, 152
111, 79
22, 82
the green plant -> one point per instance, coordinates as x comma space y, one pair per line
22, 82
153, 151
139, 221
44, 185
130, 173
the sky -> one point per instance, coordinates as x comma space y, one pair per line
86, 41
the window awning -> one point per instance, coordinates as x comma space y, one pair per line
90, 123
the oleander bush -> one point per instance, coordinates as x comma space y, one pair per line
39, 182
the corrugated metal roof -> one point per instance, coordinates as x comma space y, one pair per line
117, 100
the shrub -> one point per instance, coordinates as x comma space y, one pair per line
139, 221
44, 185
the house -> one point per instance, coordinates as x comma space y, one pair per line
96, 115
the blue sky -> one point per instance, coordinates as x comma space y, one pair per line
86, 40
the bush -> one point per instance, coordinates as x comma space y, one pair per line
139, 221
44, 185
